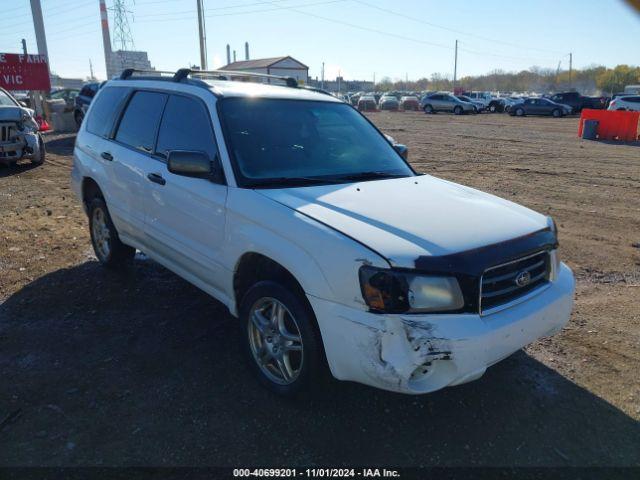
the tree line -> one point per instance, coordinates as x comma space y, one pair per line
593, 80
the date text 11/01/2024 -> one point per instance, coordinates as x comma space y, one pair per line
316, 472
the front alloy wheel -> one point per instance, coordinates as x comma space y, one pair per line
283, 343
275, 341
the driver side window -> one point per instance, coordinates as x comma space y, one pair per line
186, 125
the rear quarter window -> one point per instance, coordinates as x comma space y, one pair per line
103, 112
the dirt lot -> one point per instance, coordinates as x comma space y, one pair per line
143, 369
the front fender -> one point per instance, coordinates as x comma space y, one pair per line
324, 261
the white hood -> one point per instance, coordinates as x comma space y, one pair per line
402, 219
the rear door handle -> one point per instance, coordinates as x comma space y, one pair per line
107, 156
156, 178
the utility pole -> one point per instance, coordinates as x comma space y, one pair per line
455, 68
41, 42
322, 77
91, 69
570, 68
202, 35
374, 81
24, 46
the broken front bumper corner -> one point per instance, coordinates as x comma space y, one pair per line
422, 353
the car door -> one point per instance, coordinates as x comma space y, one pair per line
185, 220
531, 106
130, 154
438, 103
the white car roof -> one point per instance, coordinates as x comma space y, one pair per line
229, 88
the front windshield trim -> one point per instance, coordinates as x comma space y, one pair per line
243, 182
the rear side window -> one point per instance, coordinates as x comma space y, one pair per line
185, 125
632, 99
105, 108
140, 120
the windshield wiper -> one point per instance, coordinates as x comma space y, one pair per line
372, 175
292, 182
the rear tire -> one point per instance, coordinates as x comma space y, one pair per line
281, 338
556, 113
519, 112
429, 109
457, 110
109, 250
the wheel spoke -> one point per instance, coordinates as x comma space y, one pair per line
264, 355
284, 367
294, 347
277, 316
261, 323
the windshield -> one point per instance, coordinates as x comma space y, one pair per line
276, 142
6, 100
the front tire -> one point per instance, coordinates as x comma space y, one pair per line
519, 112
109, 250
43, 153
556, 113
457, 110
282, 341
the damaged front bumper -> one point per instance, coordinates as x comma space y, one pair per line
423, 353
24, 146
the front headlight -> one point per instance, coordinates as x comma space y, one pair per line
403, 292
553, 255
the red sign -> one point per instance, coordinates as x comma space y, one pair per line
24, 72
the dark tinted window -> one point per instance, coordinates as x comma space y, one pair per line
185, 126
140, 120
632, 99
103, 112
273, 139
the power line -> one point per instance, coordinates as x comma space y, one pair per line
461, 32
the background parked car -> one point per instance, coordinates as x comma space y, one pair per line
83, 100
482, 97
410, 102
445, 102
68, 95
626, 102
578, 102
19, 132
539, 106
389, 102
367, 103
479, 105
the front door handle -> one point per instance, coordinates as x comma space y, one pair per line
156, 178
107, 156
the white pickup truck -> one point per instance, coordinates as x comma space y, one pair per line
293, 210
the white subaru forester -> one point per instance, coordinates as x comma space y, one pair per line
292, 209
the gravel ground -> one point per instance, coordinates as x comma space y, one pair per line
98, 368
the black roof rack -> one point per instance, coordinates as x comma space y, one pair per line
229, 75
127, 73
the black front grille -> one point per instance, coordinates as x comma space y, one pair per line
504, 283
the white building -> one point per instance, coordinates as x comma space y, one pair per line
121, 59
282, 66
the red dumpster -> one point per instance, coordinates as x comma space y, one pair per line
612, 124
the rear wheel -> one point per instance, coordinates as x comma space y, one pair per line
109, 250
283, 343
429, 109
457, 110
519, 112
556, 113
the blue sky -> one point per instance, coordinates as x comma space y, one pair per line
391, 38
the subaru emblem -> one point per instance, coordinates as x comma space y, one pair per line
523, 279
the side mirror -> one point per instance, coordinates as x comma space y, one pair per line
402, 150
22, 104
189, 163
